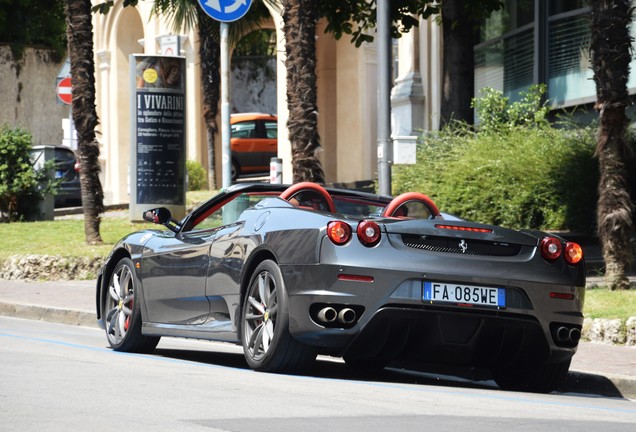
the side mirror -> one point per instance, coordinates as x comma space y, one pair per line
159, 215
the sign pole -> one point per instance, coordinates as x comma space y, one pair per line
225, 11
385, 149
225, 107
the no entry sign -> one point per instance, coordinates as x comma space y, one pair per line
64, 90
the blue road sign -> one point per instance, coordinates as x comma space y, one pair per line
225, 10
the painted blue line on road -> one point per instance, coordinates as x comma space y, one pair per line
409, 387
111, 351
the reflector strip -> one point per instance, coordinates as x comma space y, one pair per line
562, 296
462, 228
355, 278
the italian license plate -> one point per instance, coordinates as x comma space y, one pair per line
464, 294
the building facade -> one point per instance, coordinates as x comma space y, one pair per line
346, 98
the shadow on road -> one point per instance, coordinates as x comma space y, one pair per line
327, 368
331, 368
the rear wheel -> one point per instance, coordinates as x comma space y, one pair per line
122, 313
542, 378
267, 344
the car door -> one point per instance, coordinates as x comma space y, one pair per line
244, 143
268, 134
228, 253
174, 272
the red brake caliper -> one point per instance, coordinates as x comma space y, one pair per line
127, 323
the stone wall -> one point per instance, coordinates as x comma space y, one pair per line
254, 84
49, 268
611, 331
29, 97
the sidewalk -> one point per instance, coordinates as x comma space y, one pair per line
608, 370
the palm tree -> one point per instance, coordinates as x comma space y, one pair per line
300, 17
210, 55
610, 55
79, 31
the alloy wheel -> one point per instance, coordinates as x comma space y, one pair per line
260, 317
119, 304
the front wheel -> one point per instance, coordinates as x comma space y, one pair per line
122, 312
267, 343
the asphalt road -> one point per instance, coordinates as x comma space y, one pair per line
58, 377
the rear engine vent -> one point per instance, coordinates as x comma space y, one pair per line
460, 246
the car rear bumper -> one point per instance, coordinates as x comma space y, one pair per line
393, 321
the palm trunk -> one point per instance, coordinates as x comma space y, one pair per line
209, 52
300, 17
610, 49
80, 47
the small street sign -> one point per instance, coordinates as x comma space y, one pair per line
225, 10
64, 90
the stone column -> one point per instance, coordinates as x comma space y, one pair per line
407, 99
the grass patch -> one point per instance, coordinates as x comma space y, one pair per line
194, 198
66, 237
61, 238
603, 303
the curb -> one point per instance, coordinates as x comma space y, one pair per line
609, 385
62, 316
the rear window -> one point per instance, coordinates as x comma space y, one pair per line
63, 155
271, 129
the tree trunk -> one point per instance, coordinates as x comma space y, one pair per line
458, 76
610, 54
210, 53
300, 17
80, 47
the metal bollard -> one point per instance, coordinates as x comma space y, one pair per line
276, 170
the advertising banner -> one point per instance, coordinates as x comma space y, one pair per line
158, 174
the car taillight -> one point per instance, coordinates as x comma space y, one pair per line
573, 253
463, 228
76, 167
551, 248
368, 233
338, 232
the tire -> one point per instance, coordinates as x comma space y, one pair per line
122, 313
267, 343
541, 379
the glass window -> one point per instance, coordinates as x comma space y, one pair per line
506, 59
506, 64
229, 212
515, 15
246, 129
271, 129
560, 6
569, 72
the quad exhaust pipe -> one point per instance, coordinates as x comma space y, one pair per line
565, 334
331, 315
327, 315
346, 316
